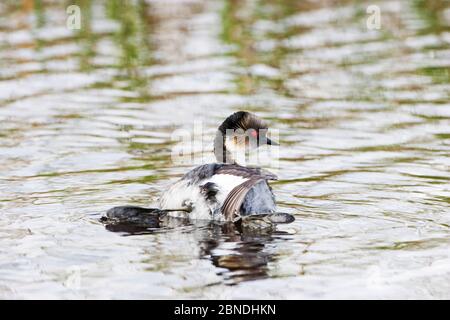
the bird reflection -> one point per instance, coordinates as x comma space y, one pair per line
246, 260
239, 255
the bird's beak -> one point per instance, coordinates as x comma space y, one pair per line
272, 143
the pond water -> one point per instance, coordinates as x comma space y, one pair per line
87, 120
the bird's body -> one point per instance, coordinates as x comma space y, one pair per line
222, 191
205, 193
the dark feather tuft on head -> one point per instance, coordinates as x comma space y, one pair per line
242, 120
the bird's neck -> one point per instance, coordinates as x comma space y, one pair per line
220, 149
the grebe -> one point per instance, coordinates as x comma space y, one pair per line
222, 191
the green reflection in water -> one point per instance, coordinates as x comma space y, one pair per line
430, 12
237, 19
85, 36
431, 15
39, 11
134, 40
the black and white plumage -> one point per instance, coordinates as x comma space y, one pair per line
220, 191
224, 191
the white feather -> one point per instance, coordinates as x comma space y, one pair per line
226, 183
181, 193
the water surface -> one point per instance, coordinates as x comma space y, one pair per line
87, 119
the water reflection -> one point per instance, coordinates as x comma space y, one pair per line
238, 255
86, 123
249, 258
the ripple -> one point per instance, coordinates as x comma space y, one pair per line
87, 120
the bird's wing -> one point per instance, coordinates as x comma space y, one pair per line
232, 204
246, 172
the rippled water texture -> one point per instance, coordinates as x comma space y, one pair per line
86, 123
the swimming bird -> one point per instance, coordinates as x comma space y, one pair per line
225, 190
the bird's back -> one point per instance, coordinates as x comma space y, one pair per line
221, 192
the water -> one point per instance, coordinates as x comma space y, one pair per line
86, 123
